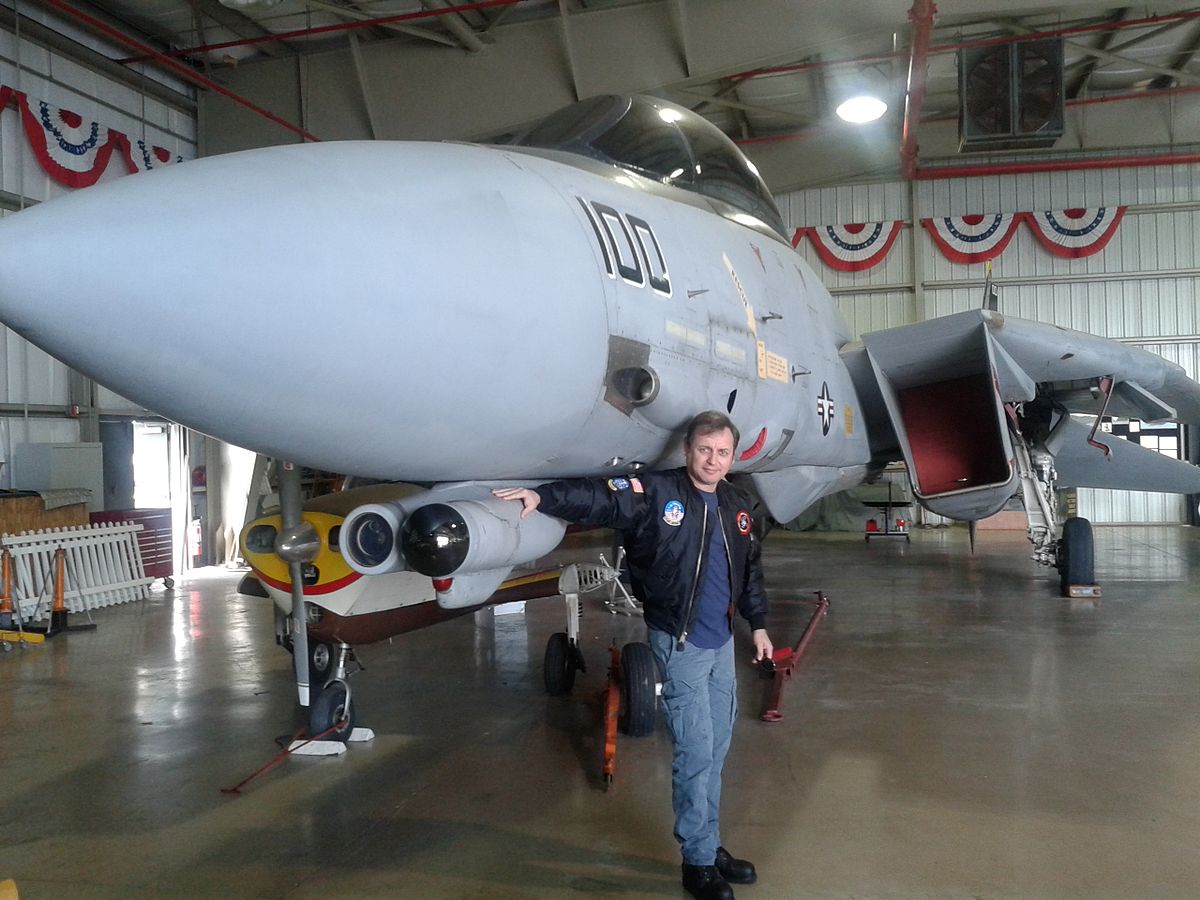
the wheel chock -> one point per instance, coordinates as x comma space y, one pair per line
1084, 592
330, 748
8, 889
316, 748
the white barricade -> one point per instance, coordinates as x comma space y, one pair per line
104, 568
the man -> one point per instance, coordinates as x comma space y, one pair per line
693, 559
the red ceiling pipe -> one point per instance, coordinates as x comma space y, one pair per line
963, 45
926, 173
921, 15
176, 67
327, 29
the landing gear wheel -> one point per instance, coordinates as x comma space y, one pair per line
320, 663
1075, 554
331, 706
639, 684
558, 667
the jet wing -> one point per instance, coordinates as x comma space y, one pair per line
943, 393
1065, 364
1127, 466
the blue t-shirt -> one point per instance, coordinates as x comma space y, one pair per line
710, 630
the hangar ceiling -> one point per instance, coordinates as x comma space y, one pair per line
767, 72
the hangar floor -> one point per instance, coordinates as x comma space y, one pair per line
957, 730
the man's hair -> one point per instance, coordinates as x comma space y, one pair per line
707, 423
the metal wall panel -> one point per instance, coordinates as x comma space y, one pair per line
30, 375
873, 312
1144, 284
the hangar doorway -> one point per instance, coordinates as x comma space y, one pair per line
146, 481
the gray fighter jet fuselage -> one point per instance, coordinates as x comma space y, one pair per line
461, 316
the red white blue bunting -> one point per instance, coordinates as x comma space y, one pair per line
140, 156
975, 238
1076, 233
75, 152
853, 247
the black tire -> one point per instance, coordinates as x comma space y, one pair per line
1075, 554
331, 705
558, 667
639, 690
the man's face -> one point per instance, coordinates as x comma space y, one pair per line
709, 458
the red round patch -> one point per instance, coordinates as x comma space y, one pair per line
743, 522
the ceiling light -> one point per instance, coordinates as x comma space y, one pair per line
861, 109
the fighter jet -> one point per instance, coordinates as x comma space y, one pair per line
462, 316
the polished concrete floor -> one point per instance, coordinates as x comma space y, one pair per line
956, 731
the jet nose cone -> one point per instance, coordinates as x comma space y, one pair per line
282, 298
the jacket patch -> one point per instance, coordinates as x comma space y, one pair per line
743, 522
618, 484
673, 512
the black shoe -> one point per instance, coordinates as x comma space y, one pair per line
706, 883
736, 871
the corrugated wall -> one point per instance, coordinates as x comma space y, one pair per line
1144, 287
27, 375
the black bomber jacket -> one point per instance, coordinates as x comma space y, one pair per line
665, 525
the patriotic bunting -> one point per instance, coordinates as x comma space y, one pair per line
854, 247
972, 239
140, 157
1075, 233
72, 151
1069, 233
75, 152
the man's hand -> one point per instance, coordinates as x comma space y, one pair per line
529, 498
763, 649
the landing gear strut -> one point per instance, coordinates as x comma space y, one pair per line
1072, 553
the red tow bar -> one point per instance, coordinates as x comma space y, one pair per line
784, 661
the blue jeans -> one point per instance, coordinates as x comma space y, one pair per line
701, 703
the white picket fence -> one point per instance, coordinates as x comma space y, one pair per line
104, 568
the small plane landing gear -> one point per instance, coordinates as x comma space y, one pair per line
332, 710
1076, 559
563, 660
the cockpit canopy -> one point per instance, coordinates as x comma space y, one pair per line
662, 141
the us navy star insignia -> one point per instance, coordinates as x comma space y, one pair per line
825, 408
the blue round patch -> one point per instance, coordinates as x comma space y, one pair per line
673, 512
618, 484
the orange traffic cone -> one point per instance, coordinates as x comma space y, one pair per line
58, 612
6, 605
